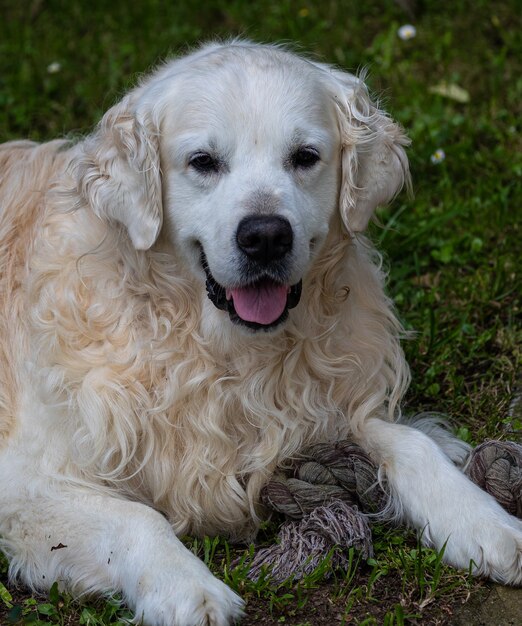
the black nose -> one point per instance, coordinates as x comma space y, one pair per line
264, 238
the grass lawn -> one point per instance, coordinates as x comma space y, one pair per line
454, 251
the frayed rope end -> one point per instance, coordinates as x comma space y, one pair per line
327, 532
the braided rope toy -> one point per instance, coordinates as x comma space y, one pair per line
333, 488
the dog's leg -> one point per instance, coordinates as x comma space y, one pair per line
91, 542
447, 508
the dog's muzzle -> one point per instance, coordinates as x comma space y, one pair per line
260, 305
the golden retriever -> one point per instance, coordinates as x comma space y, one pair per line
187, 300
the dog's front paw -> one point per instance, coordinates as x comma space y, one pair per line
194, 599
500, 555
492, 545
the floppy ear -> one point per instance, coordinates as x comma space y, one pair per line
373, 161
119, 176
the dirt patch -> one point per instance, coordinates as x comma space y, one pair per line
501, 606
324, 606
486, 605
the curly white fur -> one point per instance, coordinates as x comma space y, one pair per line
124, 393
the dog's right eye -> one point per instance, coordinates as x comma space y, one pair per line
204, 162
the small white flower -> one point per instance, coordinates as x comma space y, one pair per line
408, 31
54, 68
438, 156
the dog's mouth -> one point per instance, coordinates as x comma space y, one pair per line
260, 305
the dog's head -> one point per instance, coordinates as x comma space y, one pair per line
243, 153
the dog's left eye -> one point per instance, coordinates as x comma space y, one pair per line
305, 157
204, 162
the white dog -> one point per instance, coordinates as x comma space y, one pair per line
186, 301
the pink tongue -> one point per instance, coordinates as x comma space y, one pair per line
262, 303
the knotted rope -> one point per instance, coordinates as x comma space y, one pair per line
335, 485
496, 467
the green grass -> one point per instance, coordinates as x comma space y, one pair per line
453, 251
